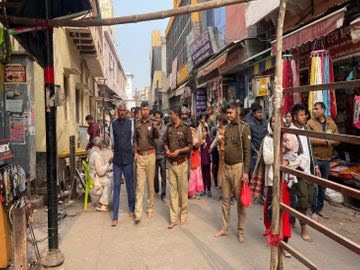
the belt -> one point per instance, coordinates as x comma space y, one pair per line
145, 153
178, 162
233, 166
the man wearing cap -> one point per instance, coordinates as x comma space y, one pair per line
178, 144
185, 115
146, 132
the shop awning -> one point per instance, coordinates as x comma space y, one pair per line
355, 30
311, 31
33, 42
181, 89
212, 65
217, 60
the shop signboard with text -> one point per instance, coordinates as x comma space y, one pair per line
201, 48
338, 43
201, 101
260, 86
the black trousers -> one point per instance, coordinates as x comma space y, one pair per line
160, 164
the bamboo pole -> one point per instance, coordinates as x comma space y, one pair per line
278, 99
122, 20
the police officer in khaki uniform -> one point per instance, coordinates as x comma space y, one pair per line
236, 167
178, 144
146, 132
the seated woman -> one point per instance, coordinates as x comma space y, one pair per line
99, 172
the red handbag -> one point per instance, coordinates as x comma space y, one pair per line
245, 196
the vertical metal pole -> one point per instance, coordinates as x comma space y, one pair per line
278, 99
72, 166
54, 256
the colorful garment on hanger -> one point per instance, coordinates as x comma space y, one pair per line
290, 79
321, 72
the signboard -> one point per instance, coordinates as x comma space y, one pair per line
16, 97
233, 60
260, 86
15, 73
201, 100
183, 74
201, 48
338, 42
5, 152
17, 129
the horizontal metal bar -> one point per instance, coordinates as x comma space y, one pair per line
325, 86
352, 139
354, 247
352, 192
304, 260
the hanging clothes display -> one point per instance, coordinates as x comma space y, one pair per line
12, 182
290, 79
321, 71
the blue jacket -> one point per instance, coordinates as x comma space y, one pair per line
258, 132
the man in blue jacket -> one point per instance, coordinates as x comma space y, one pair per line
258, 127
122, 134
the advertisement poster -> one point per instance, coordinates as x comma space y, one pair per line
17, 129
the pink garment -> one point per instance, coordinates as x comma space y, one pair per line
196, 183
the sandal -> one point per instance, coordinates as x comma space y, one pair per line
102, 208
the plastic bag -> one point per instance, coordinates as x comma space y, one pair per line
334, 196
245, 196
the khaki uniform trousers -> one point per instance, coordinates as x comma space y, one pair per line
145, 172
178, 184
232, 182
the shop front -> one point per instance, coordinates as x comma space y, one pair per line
331, 54
220, 74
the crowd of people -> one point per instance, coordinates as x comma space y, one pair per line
224, 147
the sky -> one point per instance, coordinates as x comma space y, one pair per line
133, 41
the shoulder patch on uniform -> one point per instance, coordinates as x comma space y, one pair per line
243, 122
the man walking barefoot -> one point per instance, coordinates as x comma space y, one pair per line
236, 167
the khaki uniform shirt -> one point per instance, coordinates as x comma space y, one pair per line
238, 144
177, 138
145, 134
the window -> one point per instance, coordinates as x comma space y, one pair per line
78, 104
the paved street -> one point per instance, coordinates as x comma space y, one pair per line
90, 243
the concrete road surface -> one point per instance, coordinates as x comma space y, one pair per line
90, 242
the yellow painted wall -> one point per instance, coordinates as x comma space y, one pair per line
155, 38
195, 16
158, 76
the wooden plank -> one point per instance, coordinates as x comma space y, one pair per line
319, 87
276, 256
296, 254
352, 192
354, 247
126, 19
352, 139
20, 239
